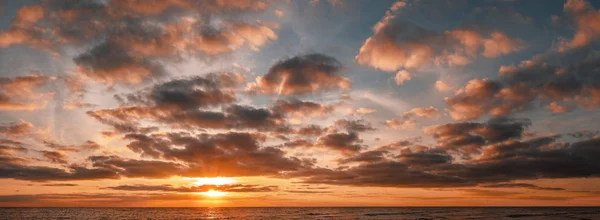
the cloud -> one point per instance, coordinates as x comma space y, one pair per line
77, 104
237, 35
402, 76
59, 184
131, 168
22, 92
514, 160
531, 83
310, 130
362, 111
224, 154
307, 191
135, 51
367, 156
86, 146
470, 137
109, 63
465, 104
422, 156
521, 185
586, 20
213, 89
382, 174
136, 40
23, 29
95, 199
428, 112
126, 119
497, 164
14, 129
10, 147
358, 125
137, 6
279, 13
41, 173
301, 75
557, 108
203, 188
54, 156
400, 124
302, 109
442, 86
189, 103
346, 143
397, 45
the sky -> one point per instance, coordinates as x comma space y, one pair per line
237, 103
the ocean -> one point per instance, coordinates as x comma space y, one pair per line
421, 213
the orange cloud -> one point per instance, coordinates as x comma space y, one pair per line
587, 22
396, 45
22, 92
23, 128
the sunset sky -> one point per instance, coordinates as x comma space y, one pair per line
299, 103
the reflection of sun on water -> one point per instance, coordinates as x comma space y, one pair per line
217, 181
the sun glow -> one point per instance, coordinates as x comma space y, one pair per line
216, 181
213, 193
212, 181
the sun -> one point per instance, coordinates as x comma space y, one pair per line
214, 193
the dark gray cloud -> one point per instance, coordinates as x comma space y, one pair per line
367, 156
300, 108
60, 184
424, 157
533, 159
109, 63
347, 143
358, 125
470, 137
229, 154
132, 168
189, 103
213, 89
496, 164
521, 185
301, 75
310, 130
40, 173
10, 147
382, 173
529, 85
96, 199
54, 156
